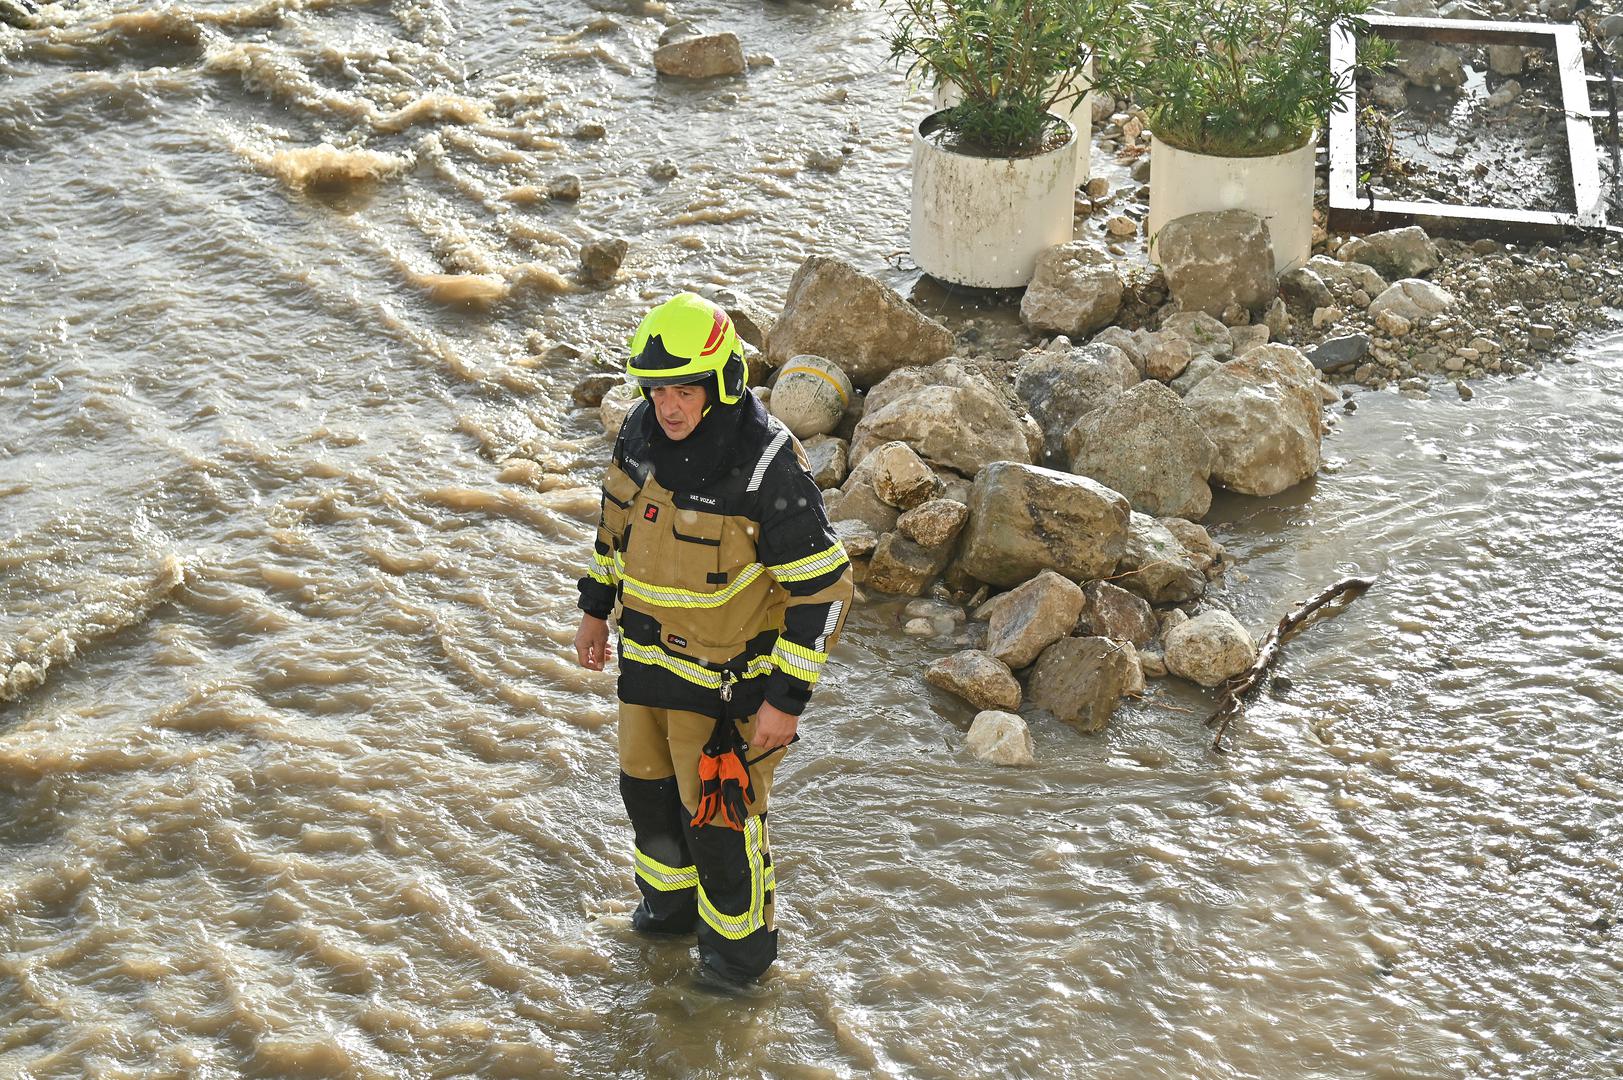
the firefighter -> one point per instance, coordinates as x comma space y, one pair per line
732, 589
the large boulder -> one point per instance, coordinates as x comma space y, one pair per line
1395, 253
978, 677
1209, 648
961, 426
1147, 445
1024, 519
701, 56
1412, 299
1262, 412
835, 310
1000, 738
1075, 290
1033, 617
1061, 384
1080, 680
1112, 612
1216, 259
1156, 566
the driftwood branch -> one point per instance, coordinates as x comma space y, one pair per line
1243, 685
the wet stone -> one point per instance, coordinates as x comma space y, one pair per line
933, 523
1000, 738
590, 390
978, 677
565, 188
1339, 352
901, 567
1080, 680
600, 260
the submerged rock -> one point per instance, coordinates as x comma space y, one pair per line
1080, 680
1000, 738
978, 677
600, 259
701, 56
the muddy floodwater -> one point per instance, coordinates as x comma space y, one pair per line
297, 777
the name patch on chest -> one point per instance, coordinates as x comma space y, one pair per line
650, 513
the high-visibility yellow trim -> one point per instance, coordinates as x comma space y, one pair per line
737, 927
669, 596
601, 579
666, 878
812, 565
686, 669
799, 661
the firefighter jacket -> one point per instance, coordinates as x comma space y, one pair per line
743, 576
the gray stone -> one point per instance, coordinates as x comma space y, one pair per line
978, 677
590, 390
701, 56
1262, 412
1169, 357
1080, 680
1346, 277
1061, 384
1000, 738
1203, 551
961, 424
1155, 565
1112, 612
827, 458
1338, 352
1075, 290
1198, 369
1212, 260
1135, 343
1395, 253
1424, 64
901, 567
1151, 448
857, 537
935, 523
1246, 338
1412, 299
565, 188
899, 476
1304, 289
1024, 519
1209, 648
1507, 59
859, 501
835, 310
600, 259
1208, 335
1033, 617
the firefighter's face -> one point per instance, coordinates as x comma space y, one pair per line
678, 409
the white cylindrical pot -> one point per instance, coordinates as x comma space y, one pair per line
1079, 116
1278, 189
983, 221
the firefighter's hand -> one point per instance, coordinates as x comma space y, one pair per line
592, 642
773, 728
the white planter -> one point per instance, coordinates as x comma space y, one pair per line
983, 221
1278, 189
1079, 117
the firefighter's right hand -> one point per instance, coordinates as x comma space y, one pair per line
592, 642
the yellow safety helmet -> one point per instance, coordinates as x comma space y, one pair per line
686, 340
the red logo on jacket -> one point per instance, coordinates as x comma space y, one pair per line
651, 513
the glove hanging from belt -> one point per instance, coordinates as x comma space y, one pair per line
725, 787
